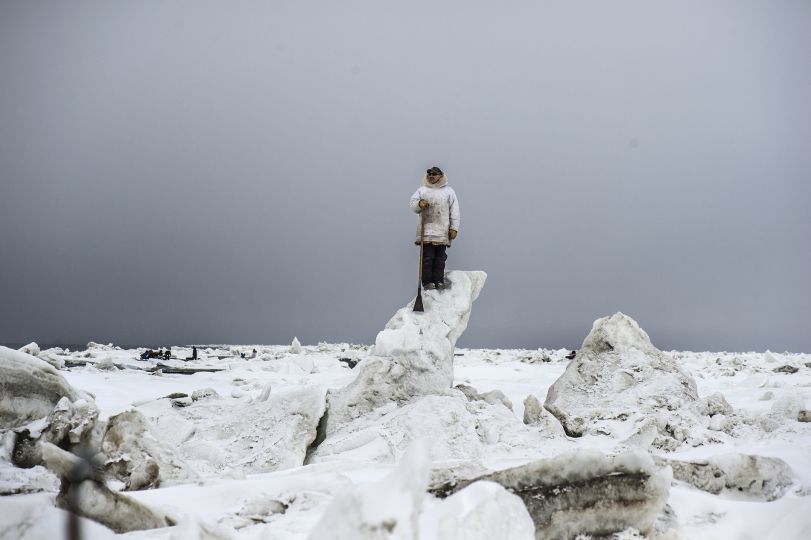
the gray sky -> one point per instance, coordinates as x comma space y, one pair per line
178, 172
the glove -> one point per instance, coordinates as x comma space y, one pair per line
424, 204
452, 233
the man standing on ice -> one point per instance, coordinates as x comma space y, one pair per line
437, 203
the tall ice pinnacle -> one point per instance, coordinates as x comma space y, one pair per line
413, 354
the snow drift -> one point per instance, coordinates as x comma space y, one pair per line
398, 507
215, 434
458, 428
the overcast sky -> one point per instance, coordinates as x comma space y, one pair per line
239, 172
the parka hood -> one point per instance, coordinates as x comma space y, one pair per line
441, 183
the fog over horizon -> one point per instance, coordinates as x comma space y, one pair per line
203, 172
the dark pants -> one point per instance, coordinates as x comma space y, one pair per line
433, 263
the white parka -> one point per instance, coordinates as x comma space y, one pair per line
442, 213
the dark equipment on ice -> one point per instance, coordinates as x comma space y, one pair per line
149, 353
418, 300
349, 362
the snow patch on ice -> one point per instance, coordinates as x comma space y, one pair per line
389, 508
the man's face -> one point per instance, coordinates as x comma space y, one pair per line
434, 178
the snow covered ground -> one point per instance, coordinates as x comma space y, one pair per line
409, 438
225, 500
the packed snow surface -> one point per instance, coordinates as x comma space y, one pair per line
238, 454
